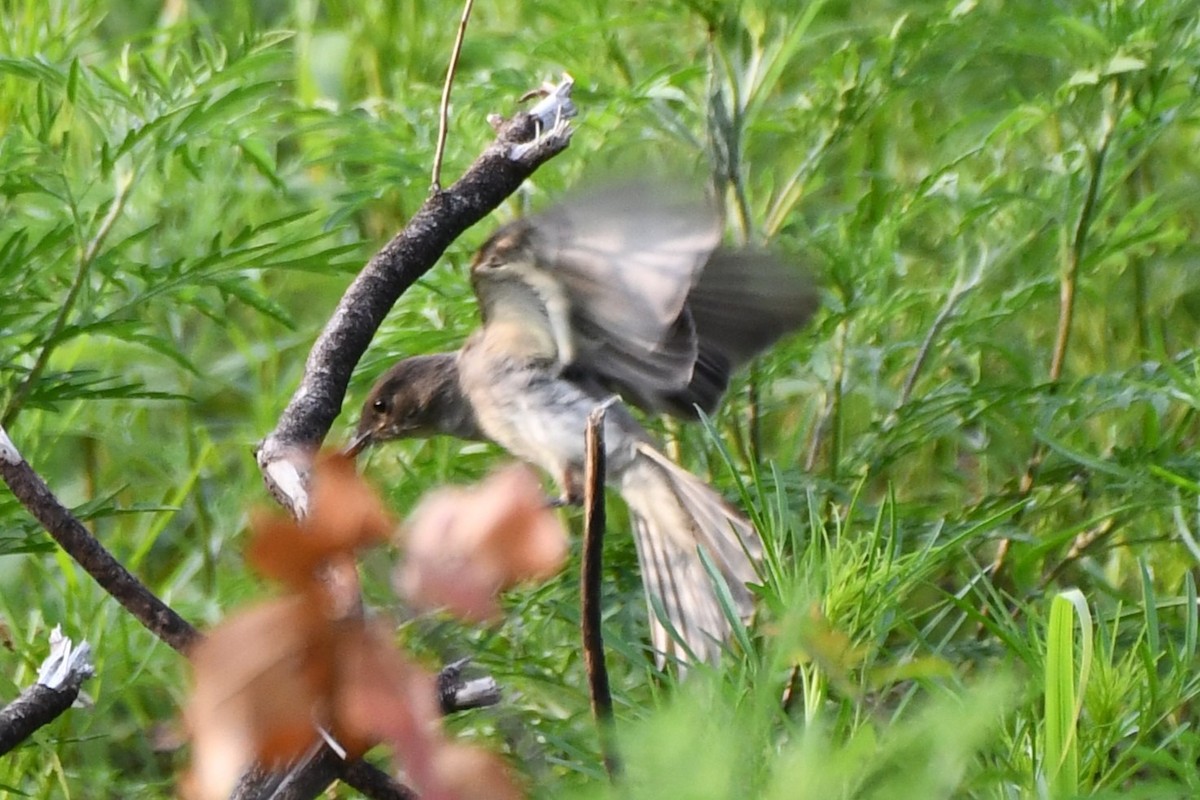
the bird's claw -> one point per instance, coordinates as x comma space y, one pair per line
565, 500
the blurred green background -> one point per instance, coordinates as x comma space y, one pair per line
187, 187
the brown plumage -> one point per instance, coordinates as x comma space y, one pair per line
624, 290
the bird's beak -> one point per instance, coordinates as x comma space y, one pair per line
359, 443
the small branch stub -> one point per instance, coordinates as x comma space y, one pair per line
57, 687
456, 694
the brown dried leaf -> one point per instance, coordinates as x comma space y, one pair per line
383, 696
344, 507
464, 546
346, 515
262, 678
268, 677
462, 772
283, 550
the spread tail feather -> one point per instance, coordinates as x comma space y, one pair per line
675, 514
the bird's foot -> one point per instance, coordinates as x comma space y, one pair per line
565, 500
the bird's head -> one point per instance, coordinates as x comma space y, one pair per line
417, 398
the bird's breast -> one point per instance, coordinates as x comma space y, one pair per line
525, 405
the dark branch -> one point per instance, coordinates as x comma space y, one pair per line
522, 144
456, 694
59, 679
593, 548
40, 703
78, 542
374, 782
310, 778
313, 775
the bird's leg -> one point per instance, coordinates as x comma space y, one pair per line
573, 475
572, 492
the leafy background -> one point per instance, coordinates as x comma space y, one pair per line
186, 188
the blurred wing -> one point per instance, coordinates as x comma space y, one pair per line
634, 372
626, 259
745, 300
743, 303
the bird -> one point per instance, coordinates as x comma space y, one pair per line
624, 291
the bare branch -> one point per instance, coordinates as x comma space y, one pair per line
59, 679
1068, 282
374, 782
522, 144
79, 543
313, 774
58, 685
456, 694
963, 285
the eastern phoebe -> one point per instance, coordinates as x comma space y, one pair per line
626, 291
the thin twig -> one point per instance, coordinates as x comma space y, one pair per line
787, 196
1079, 547
444, 108
963, 285
589, 590
1138, 184
815, 438
1070, 278
957, 292
310, 779
373, 782
86, 259
753, 415
725, 135
788, 701
1066, 305
831, 415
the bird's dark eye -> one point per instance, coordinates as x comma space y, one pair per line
380, 405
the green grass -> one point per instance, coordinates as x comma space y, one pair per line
185, 189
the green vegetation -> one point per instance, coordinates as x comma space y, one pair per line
186, 188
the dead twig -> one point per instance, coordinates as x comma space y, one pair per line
44, 702
79, 543
522, 144
1066, 302
589, 590
57, 686
444, 108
